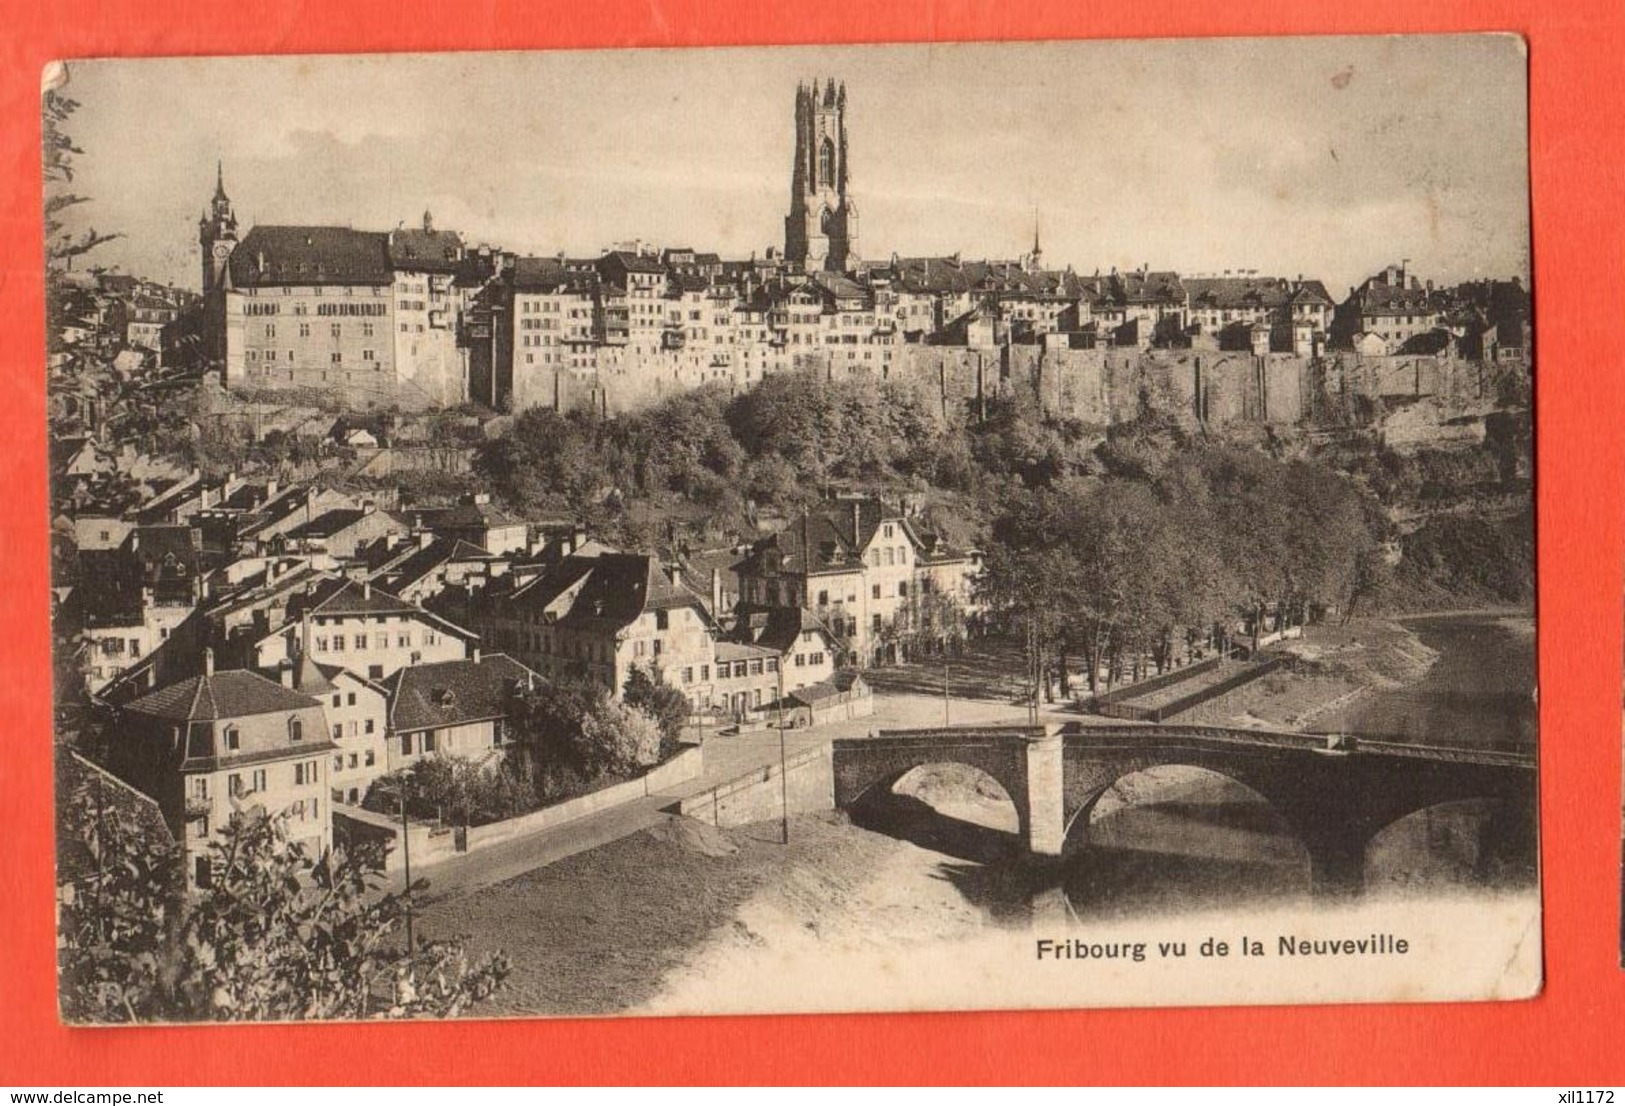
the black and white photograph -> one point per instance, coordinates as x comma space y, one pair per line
792, 529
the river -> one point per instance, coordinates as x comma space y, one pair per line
1480, 691
1182, 838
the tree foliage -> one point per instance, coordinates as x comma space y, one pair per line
62, 247
278, 934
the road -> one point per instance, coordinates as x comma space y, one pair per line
727, 757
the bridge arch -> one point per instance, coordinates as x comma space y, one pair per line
908, 804
864, 767
1158, 785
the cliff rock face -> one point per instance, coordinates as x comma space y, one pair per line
1428, 399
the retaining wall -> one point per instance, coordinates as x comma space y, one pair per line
431, 843
759, 795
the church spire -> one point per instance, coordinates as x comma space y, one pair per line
220, 181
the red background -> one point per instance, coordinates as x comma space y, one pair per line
1570, 1035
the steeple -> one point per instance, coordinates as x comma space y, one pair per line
220, 182
821, 231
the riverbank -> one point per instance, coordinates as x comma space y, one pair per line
1333, 666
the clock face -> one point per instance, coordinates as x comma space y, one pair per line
221, 250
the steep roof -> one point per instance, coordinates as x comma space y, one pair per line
236, 693
548, 274
621, 586
776, 628
425, 251
277, 255
451, 693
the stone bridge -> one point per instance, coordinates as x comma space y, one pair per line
1334, 798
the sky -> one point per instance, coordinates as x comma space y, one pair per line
1327, 157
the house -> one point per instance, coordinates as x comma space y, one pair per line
881, 581
223, 742
358, 719
342, 531
805, 648
454, 708
596, 617
130, 599
843, 696
476, 522
361, 627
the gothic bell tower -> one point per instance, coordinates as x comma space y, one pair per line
821, 231
217, 233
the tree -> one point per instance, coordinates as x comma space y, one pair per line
647, 690
61, 247
620, 739
277, 935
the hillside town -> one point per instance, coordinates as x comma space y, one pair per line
316, 535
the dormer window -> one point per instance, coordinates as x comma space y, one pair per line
296, 729
232, 739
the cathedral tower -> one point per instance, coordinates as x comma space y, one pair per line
217, 234
821, 231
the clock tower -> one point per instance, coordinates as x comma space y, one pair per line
217, 234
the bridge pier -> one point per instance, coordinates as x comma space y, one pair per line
1336, 866
1045, 823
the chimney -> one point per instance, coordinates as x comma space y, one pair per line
286, 675
366, 589
716, 592
425, 539
135, 540
208, 661
474, 654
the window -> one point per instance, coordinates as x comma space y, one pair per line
705, 672
428, 742
233, 738
823, 599
338, 643
360, 641
258, 779
355, 760
336, 700
338, 730
877, 624
902, 589
801, 660
296, 730
662, 621
371, 759
351, 698
338, 762
688, 674
773, 664
657, 647
366, 727
756, 667
875, 592
403, 640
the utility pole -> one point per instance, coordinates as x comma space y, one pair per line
945, 720
784, 776
406, 851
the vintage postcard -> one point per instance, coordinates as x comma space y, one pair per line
775, 530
